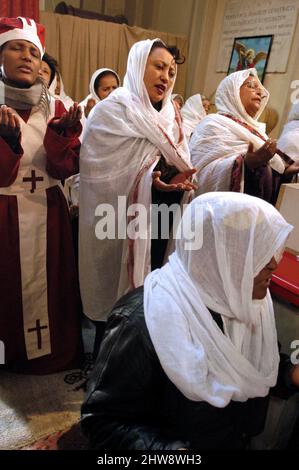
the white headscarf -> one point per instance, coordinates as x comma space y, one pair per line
146, 114
67, 100
288, 142
227, 99
218, 140
92, 92
122, 143
192, 113
241, 234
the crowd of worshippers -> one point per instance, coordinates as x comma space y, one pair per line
186, 350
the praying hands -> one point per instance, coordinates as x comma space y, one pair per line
255, 159
10, 126
68, 119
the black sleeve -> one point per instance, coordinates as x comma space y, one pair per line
121, 411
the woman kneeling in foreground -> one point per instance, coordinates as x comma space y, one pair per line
188, 361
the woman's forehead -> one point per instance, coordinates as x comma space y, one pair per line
46, 65
22, 42
159, 53
251, 78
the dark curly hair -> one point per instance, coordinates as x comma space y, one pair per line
173, 50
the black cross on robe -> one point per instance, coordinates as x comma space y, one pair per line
38, 329
33, 179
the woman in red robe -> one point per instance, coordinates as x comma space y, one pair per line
39, 146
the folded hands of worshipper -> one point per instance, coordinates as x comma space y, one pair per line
255, 159
10, 126
179, 182
68, 119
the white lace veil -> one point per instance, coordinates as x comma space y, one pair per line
240, 236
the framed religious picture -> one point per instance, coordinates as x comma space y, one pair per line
249, 52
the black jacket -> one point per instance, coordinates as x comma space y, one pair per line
131, 403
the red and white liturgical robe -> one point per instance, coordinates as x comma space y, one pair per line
39, 314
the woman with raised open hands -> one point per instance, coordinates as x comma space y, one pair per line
133, 141
231, 150
39, 140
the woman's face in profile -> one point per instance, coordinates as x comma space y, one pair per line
262, 280
159, 74
206, 104
45, 73
251, 95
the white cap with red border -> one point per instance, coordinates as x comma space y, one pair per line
26, 29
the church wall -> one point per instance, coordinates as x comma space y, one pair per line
278, 84
201, 21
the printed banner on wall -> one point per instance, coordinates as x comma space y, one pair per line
255, 18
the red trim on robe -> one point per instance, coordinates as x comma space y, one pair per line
63, 290
63, 286
11, 324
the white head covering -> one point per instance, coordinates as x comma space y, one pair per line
133, 82
288, 142
218, 140
174, 95
92, 92
241, 234
67, 100
12, 29
122, 143
227, 99
192, 113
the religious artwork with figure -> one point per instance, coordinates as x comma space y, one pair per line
250, 52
